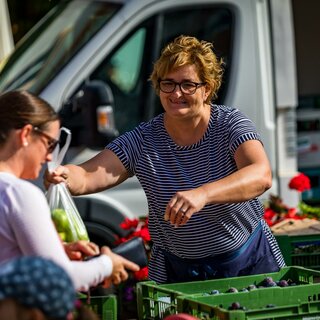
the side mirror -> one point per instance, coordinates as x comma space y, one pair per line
96, 102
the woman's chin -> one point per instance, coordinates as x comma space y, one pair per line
31, 175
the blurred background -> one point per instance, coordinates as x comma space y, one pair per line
25, 14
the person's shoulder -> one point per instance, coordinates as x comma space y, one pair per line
222, 113
17, 185
227, 113
139, 134
223, 109
151, 126
154, 122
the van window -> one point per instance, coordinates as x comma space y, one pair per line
55, 40
125, 64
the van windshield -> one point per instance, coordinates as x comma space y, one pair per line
42, 53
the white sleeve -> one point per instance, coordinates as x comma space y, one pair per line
90, 273
36, 235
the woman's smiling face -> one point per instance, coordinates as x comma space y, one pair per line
177, 103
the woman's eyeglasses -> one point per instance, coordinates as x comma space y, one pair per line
52, 143
186, 87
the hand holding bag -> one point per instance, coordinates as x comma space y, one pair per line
65, 214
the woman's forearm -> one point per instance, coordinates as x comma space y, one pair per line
247, 183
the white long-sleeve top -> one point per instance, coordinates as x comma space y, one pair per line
26, 229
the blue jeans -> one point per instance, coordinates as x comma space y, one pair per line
253, 257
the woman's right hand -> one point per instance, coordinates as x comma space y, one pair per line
77, 250
60, 174
120, 269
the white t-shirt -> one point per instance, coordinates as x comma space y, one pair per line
26, 229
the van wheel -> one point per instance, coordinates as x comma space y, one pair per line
101, 235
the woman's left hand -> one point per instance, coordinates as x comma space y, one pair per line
80, 249
183, 205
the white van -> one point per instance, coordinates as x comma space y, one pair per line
90, 58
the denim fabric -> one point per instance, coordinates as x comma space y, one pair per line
253, 257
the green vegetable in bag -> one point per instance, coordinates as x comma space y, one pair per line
60, 220
64, 212
66, 232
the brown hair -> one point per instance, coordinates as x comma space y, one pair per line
18, 108
185, 50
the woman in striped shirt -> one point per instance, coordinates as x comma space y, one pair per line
202, 167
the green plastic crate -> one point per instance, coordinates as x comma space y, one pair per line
104, 306
299, 303
156, 301
300, 250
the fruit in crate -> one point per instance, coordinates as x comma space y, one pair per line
283, 283
268, 282
235, 306
214, 292
230, 290
252, 287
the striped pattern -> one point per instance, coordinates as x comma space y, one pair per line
163, 168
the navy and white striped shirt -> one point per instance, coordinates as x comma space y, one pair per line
163, 168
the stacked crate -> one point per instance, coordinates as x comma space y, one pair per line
214, 299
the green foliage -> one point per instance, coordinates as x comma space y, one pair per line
309, 211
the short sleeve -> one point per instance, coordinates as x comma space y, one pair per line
128, 148
241, 129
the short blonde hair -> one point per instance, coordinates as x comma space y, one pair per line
186, 50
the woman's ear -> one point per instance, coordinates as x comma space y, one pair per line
206, 93
25, 134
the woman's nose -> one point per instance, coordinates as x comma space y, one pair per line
177, 90
49, 157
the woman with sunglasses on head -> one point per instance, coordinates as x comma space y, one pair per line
202, 167
28, 135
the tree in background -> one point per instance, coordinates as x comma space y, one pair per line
25, 14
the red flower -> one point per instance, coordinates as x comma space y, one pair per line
292, 213
300, 183
128, 224
143, 233
269, 213
269, 222
270, 216
138, 228
142, 274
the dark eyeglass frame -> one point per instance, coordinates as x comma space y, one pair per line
52, 143
180, 84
